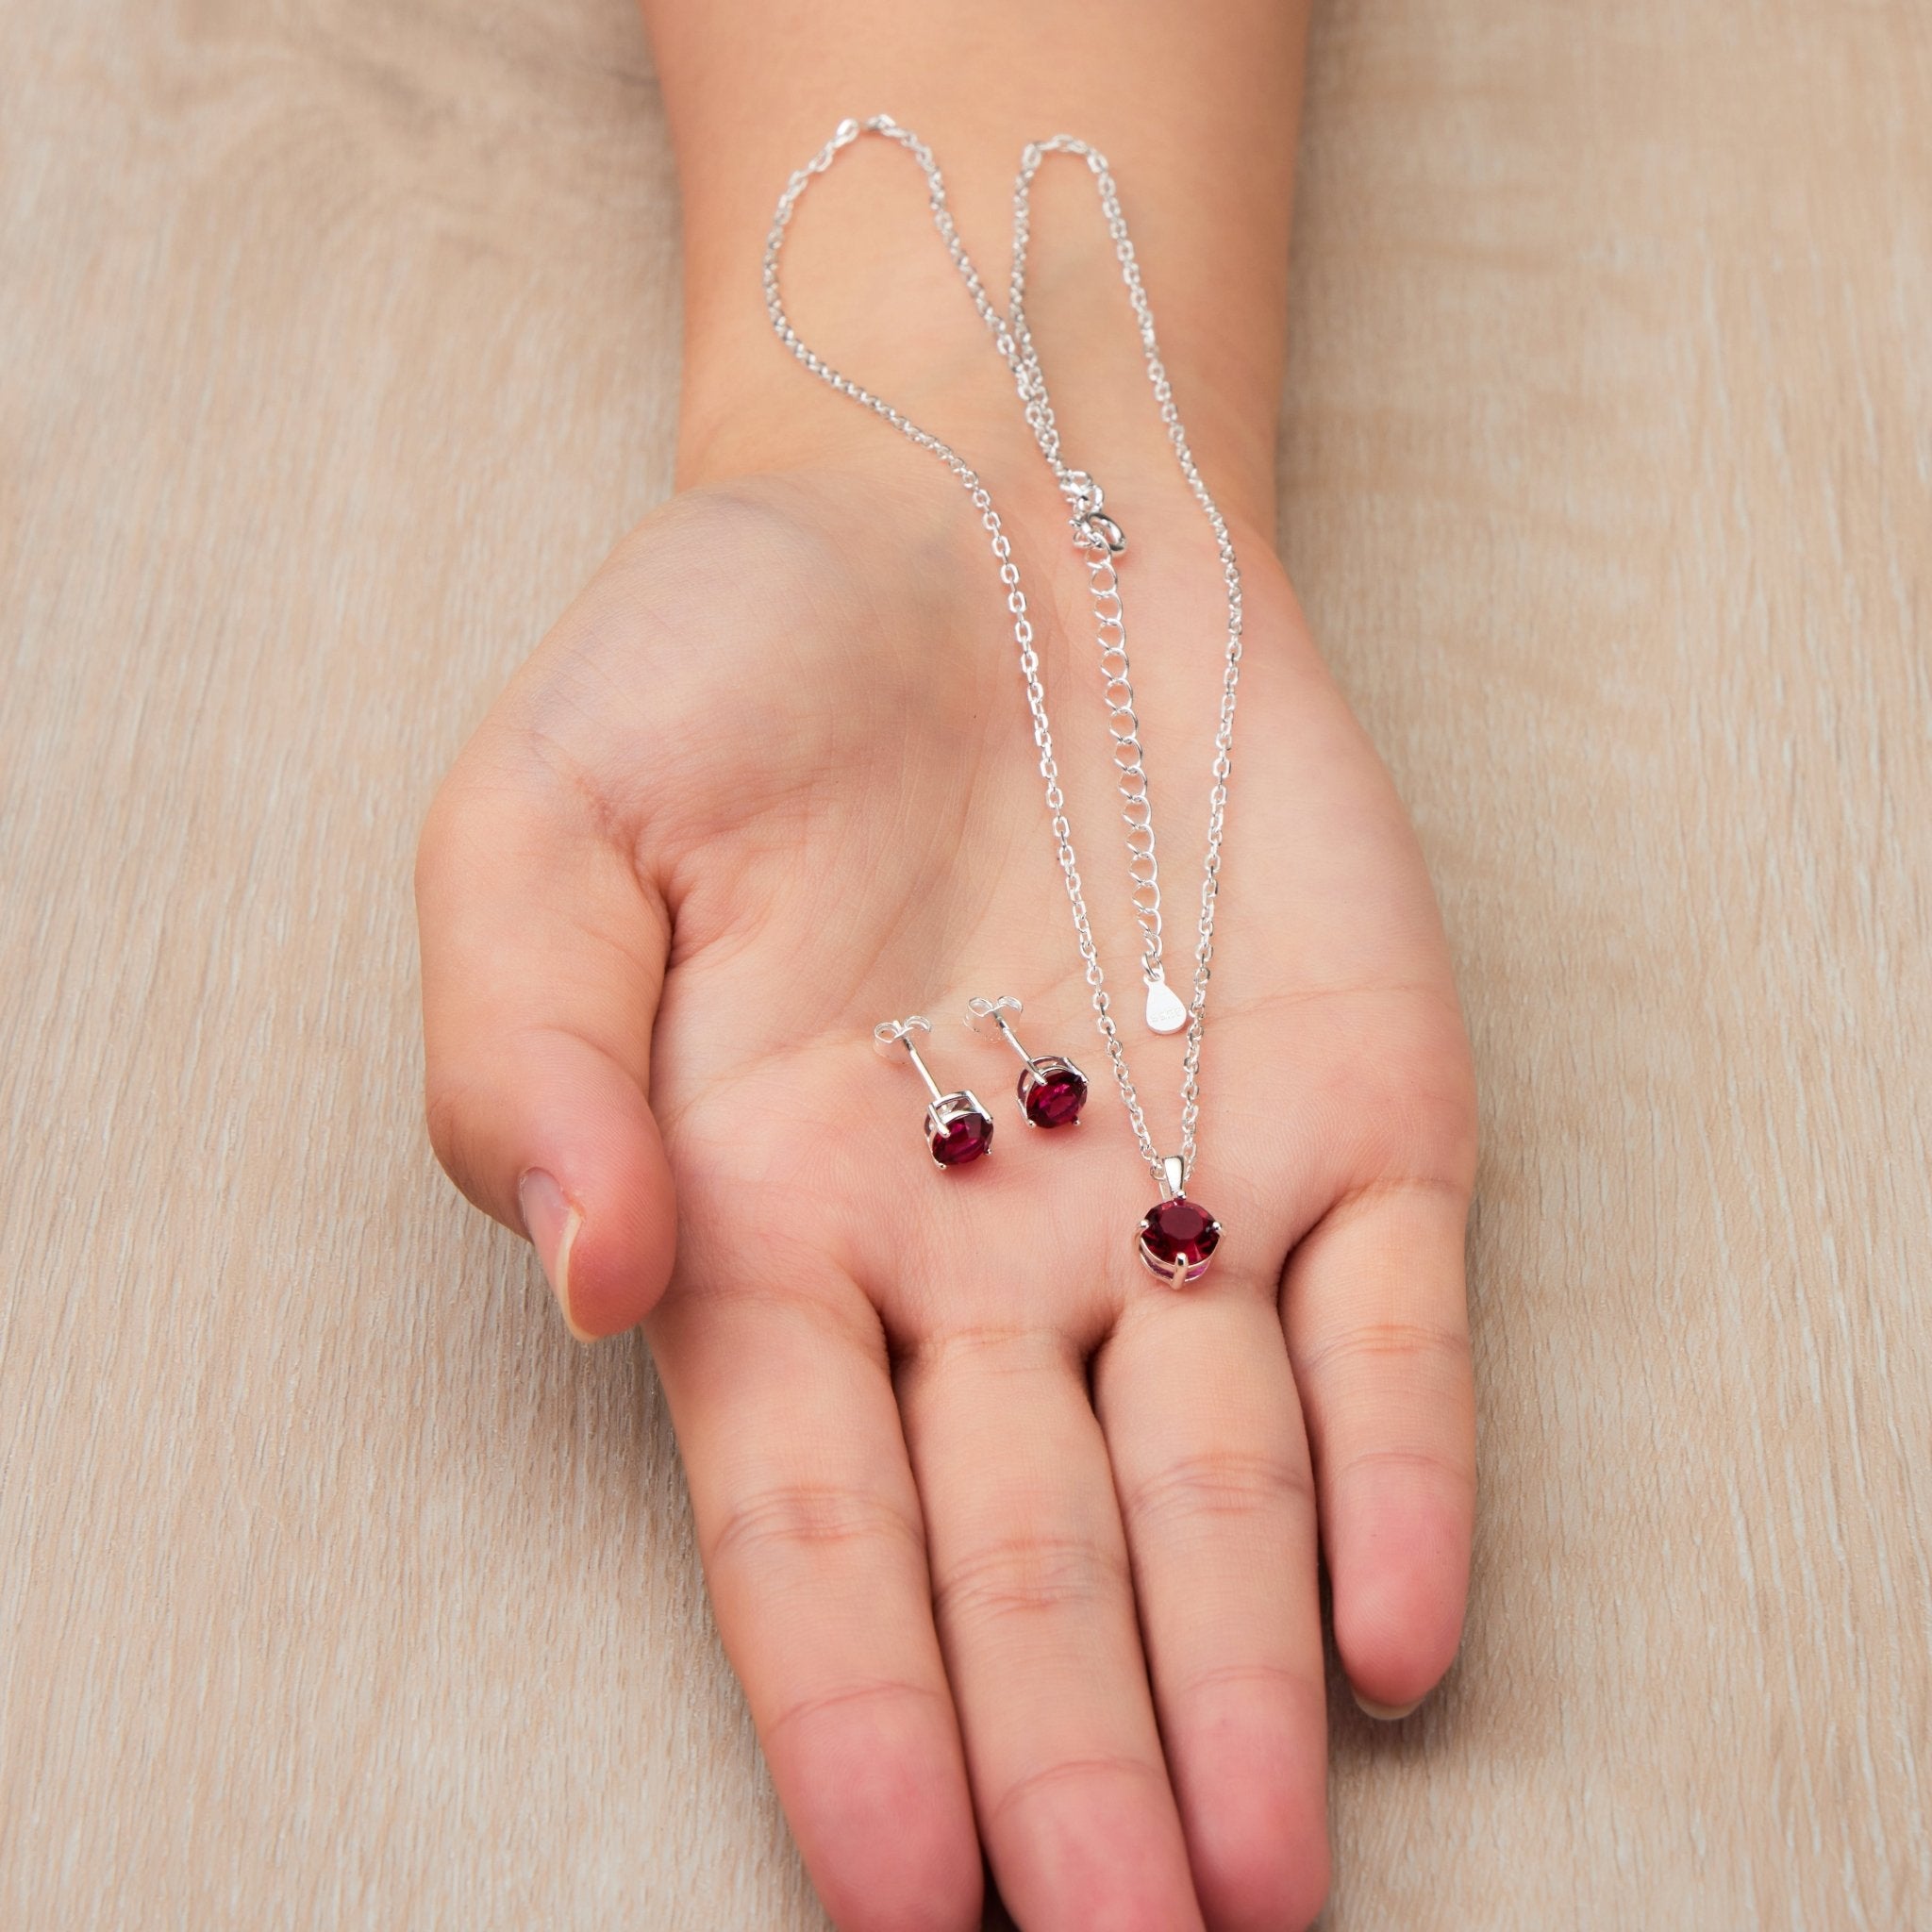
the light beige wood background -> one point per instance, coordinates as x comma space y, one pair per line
336, 344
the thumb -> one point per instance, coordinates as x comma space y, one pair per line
542, 959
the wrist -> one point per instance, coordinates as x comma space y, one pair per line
748, 406
868, 287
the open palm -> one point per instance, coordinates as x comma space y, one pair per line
1010, 1543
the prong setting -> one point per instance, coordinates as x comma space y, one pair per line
1050, 1088
1052, 1091
1178, 1239
958, 1128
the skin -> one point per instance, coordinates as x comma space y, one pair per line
1014, 1550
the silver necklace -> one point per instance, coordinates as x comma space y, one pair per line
1177, 1236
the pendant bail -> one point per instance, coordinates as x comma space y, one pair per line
1175, 1169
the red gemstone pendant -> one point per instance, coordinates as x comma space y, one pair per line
1176, 1238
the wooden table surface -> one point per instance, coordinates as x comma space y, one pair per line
338, 1588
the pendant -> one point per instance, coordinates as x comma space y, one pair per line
1165, 1013
1178, 1236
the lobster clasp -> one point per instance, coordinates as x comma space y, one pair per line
1094, 529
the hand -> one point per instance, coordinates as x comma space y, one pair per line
996, 1527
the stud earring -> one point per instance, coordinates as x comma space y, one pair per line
1052, 1090
958, 1126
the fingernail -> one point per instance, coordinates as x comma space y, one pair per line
1385, 1713
552, 1224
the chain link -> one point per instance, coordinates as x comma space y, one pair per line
1101, 540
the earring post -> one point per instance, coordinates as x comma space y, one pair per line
932, 1086
1012, 1040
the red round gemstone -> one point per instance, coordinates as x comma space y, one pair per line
964, 1137
1179, 1230
1054, 1097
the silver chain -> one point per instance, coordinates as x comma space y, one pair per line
1100, 540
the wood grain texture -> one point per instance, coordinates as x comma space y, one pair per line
338, 343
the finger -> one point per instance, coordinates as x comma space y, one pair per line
814, 1551
542, 958
1378, 1334
1037, 1617
1194, 1392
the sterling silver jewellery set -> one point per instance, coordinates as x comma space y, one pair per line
1176, 1237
